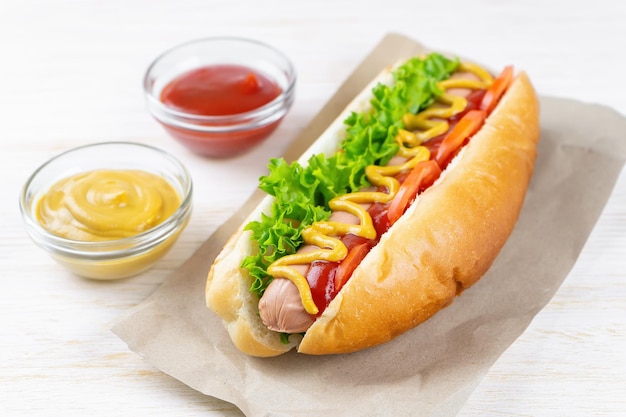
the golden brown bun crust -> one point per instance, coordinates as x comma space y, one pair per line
445, 242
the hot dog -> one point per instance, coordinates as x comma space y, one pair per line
402, 204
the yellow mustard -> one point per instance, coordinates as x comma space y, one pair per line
105, 205
418, 129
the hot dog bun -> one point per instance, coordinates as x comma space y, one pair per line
441, 246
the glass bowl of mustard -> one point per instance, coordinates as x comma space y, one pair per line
220, 96
108, 210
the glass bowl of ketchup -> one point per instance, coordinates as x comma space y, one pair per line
221, 96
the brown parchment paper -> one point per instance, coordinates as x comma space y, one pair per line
431, 370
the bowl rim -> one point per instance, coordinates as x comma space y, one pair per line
233, 121
105, 250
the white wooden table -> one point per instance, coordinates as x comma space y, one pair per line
70, 74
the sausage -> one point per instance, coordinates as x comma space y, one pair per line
463, 92
281, 308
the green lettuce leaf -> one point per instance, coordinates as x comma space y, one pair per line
302, 193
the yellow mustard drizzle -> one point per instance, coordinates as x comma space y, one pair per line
418, 129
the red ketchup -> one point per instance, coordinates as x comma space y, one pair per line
220, 90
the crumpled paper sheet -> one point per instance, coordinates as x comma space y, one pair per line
431, 370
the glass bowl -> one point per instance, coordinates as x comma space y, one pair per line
220, 135
121, 257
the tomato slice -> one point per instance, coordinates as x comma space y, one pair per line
421, 177
349, 264
499, 86
466, 127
